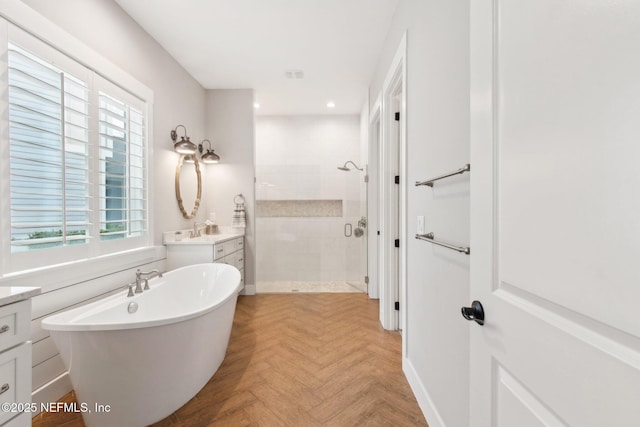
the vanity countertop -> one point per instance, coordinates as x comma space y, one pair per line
205, 239
11, 294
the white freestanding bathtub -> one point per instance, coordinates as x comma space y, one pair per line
133, 369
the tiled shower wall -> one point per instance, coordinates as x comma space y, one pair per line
303, 201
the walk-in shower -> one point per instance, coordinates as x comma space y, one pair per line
304, 206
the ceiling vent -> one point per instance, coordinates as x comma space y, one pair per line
294, 74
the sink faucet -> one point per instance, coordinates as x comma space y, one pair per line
196, 230
139, 279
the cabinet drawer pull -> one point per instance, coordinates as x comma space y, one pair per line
240, 260
4, 329
220, 250
5, 387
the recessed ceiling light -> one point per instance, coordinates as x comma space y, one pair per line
256, 105
331, 104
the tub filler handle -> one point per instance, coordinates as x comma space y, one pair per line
140, 279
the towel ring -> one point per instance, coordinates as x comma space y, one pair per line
235, 199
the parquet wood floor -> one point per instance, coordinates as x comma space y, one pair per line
299, 360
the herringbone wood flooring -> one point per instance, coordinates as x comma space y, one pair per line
299, 360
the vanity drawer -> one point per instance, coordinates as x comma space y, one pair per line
15, 324
240, 243
229, 259
236, 259
15, 378
229, 246
224, 249
218, 251
239, 260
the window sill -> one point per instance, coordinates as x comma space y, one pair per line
59, 276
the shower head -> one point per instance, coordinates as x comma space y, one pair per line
345, 168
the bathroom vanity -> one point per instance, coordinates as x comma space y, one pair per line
225, 248
15, 354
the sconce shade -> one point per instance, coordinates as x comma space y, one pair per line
185, 146
210, 157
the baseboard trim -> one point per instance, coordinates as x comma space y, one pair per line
248, 290
51, 391
425, 402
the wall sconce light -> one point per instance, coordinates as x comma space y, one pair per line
190, 150
184, 146
209, 157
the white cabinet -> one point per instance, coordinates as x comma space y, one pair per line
15, 354
15, 324
15, 380
231, 252
225, 249
180, 255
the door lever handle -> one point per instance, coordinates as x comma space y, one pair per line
475, 312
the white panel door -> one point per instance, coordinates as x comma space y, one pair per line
555, 212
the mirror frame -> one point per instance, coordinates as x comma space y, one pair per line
179, 197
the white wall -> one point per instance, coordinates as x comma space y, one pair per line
437, 361
230, 127
297, 159
179, 99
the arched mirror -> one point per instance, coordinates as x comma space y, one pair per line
188, 185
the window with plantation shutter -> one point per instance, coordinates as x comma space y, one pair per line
74, 165
48, 146
122, 189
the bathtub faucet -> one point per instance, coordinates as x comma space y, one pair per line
139, 279
130, 293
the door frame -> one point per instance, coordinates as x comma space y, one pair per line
482, 232
394, 86
373, 199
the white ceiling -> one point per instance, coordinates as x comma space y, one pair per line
231, 44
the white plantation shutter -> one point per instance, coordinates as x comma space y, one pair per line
48, 146
122, 169
74, 180
137, 168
